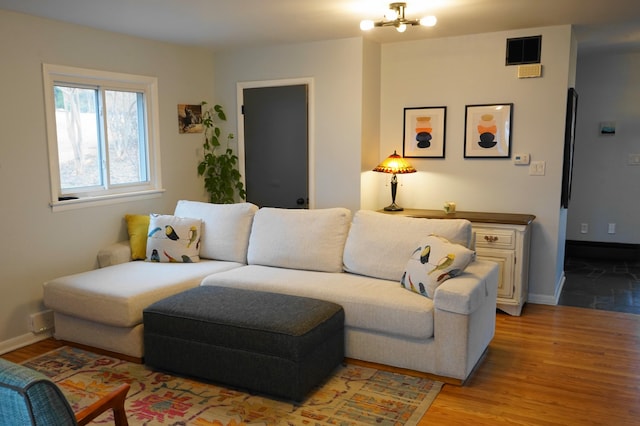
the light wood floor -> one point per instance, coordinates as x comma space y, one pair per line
554, 365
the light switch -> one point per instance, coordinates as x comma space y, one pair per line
537, 168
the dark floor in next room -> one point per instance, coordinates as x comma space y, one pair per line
609, 285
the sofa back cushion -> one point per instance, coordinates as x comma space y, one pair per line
225, 228
379, 244
299, 239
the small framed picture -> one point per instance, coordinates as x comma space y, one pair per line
608, 128
424, 132
190, 118
488, 130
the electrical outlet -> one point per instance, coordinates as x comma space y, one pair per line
41, 321
536, 168
584, 228
612, 228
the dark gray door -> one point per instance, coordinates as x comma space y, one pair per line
275, 146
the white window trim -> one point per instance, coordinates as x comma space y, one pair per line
51, 74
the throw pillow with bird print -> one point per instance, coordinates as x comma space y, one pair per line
434, 262
173, 239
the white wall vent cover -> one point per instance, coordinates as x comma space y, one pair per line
529, 71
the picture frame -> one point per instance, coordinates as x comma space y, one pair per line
488, 130
569, 143
424, 134
190, 119
607, 128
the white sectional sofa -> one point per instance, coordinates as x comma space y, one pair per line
356, 261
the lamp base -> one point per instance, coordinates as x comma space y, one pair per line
393, 208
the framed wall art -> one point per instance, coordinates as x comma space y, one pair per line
424, 132
569, 143
190, 118
608, 128
488, 130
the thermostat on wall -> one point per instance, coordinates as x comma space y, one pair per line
521, 159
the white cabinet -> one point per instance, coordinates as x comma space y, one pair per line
508, 245
500, 237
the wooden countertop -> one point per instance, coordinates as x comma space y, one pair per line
477, 217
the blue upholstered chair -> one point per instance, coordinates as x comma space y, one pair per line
28, 397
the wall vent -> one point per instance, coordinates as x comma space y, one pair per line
529, 71
524, 50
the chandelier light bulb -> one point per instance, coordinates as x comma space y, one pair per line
401, 28
428, 21
366, 25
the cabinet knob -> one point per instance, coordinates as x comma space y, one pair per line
491, 238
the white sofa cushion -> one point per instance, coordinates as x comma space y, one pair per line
225, 228
371, 304
116, 295
299, 239
115, 253
379, 244
467, 292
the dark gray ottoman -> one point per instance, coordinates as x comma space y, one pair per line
266, 342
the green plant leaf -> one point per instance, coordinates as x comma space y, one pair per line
222, 180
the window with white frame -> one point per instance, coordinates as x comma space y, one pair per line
102, 134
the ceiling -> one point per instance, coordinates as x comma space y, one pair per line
226, 24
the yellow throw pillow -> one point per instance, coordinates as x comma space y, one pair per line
137, 226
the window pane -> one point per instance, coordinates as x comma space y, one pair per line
101, 130
126, 139
77, 131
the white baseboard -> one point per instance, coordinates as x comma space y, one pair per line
22, 341
544, 299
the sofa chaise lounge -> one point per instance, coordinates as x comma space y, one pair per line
357, 261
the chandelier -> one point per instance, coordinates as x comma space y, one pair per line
395, 18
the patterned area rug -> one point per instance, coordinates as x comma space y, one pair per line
353, 395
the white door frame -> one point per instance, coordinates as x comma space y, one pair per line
308, 81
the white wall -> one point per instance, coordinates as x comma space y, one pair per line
37, 244
336, 69
370, 124
605, 188
467, 70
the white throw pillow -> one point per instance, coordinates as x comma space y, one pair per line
299, 239
434, 262
173, 239
225, 228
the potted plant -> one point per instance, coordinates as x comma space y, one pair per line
222, 180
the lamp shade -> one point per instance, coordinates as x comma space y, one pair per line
395, 164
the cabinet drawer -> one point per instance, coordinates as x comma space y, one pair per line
497, 238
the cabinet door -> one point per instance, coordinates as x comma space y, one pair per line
506, 261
